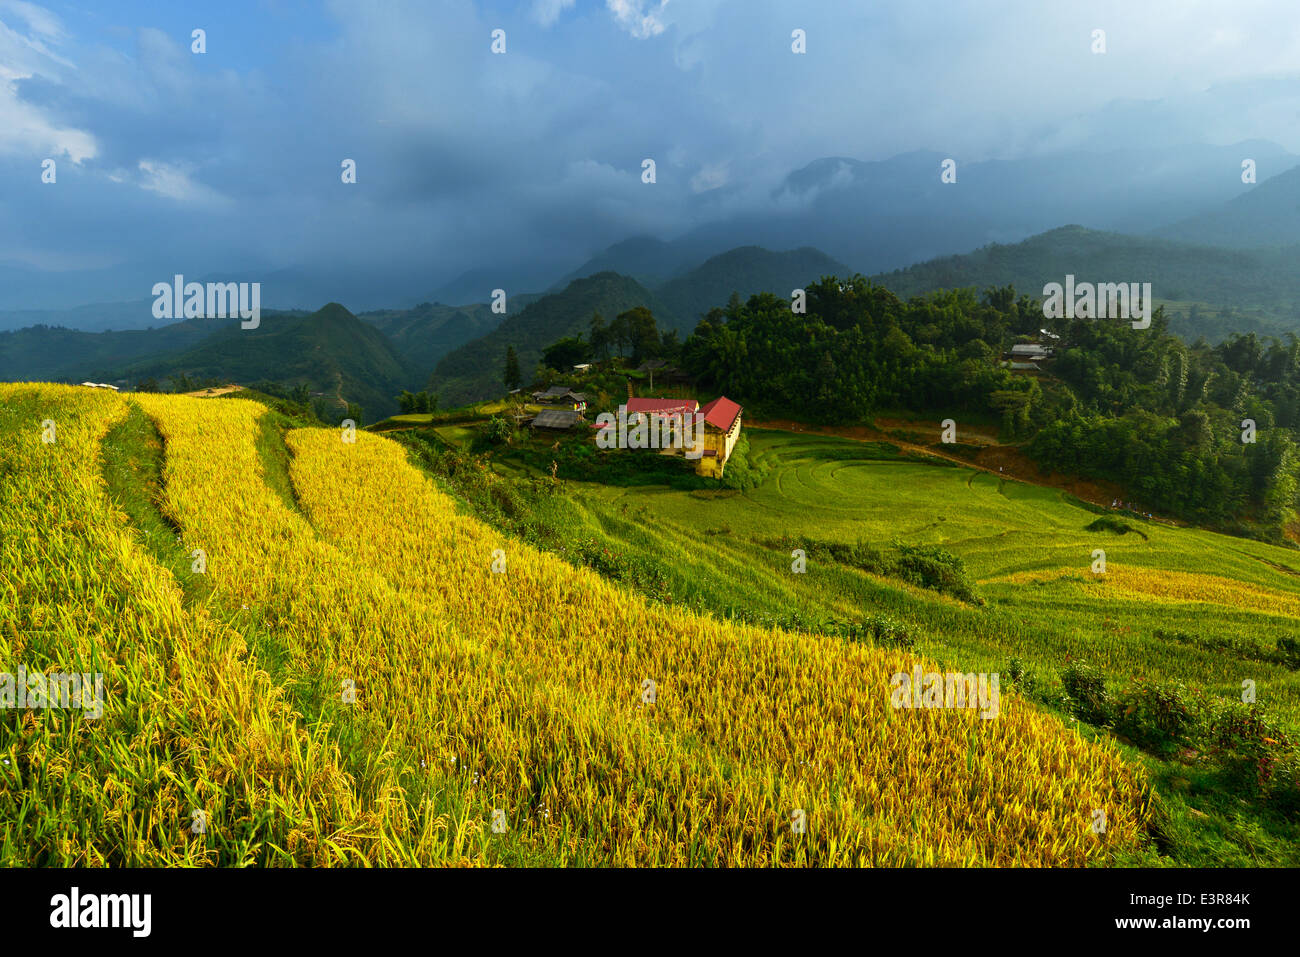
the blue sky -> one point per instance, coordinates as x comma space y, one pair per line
230, 160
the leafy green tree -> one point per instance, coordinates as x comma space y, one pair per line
618, 334
565, 353
511, 377
598, 336
642, 333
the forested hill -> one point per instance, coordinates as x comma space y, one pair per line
1261, 286
1140, 408
474, 371
330, 351
743, 271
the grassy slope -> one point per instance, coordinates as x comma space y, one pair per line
709, 548
559, 726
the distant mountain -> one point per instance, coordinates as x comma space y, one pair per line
423, 335
1267, 215
473, 372
331, 351
747, 270
99, 317
888, 214
649, 261
1264, 282
26, 288
55, 354
476, 285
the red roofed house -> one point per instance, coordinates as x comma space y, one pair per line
717, 430
721, 429
664, 407
666, 415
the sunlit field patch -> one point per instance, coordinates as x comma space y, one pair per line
1167, 586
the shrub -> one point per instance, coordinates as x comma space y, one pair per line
882, 629
933, 567
495, 431
1025, 681
1085, 686
1155, 716
1288, 652
1109, 523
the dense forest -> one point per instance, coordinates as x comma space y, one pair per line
1206, 433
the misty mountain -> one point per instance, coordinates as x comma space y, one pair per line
876, 216
98, 317
331, 351
476, 285
423, 335
27, 289
1266, 282
746, 271
1267, 214
55, 354
473, 371
649, 261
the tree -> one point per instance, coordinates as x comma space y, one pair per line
670, 345
511, 377
565, 353
618, 333
495, 431
642, 333
406, 402
599, 336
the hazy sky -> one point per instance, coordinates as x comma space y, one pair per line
230, 159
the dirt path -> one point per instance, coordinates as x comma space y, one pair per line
220, 390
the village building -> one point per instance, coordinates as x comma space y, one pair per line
671, 410
660, 369
563, 396
561, 419
721, 430
715, 431
1030, 352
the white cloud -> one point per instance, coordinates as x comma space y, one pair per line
546, 12
710, 176
174, 182
24, 54
633, 16
38, 19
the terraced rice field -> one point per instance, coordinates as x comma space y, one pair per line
1026, 546
369, 676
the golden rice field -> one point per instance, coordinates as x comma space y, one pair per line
476, 690
1168, 586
